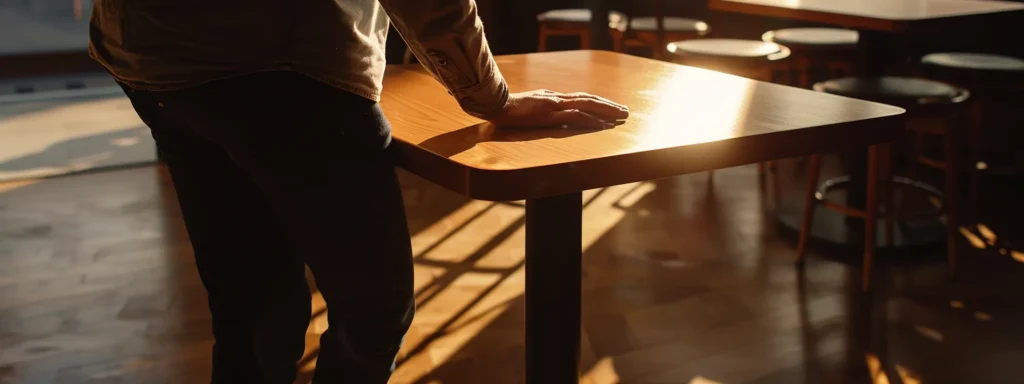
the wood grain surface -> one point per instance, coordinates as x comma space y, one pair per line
683, 120
686, 282
880, 15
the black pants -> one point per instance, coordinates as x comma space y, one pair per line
275, 170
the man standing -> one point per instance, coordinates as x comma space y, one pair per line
266, 114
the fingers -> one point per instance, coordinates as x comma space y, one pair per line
545, 108
599, 107
578, 119
584, 95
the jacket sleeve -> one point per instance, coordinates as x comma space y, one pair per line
448, 38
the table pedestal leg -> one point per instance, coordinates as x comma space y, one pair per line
874, 51
553, 285
599, 36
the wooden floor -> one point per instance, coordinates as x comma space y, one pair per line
684, 282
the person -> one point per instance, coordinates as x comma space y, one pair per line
265, 113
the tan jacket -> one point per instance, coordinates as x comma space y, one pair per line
175, 44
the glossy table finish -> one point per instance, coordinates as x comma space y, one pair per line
879, 15
683, 120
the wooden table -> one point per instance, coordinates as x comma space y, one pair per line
874, 18
683, 120
877, 15
876, 21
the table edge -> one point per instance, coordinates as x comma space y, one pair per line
523, 183
847, 21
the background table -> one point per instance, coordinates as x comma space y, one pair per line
683, 120
875, 18
877, 21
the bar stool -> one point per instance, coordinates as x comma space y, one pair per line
991, 78
923, 99
574, 22
747, 58
834, 49
976, 67
654, 33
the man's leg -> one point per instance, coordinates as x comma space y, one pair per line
255, 282
320, 156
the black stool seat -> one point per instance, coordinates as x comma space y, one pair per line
813, 38
974, 61
901, 91
671, 24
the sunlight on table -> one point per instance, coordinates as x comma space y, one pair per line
695, 108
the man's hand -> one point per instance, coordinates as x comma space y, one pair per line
544, 108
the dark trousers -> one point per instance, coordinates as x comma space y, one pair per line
275, 170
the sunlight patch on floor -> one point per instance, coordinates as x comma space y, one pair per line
986, 238
975, 241
8, 186
471, 286
987, 234
470, 269
603, 372
68, 131
930, 333
1017, 255
907, 376
703, 380
878, 375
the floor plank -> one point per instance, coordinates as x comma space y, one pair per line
684, 282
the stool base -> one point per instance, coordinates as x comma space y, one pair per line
917, 240
840, 237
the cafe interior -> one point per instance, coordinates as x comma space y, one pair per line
805, 191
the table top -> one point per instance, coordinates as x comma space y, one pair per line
683, 120
882, 15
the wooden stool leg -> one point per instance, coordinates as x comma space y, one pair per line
585, 40
407, 56
952, 207
975, 150
776, 188
914, 151
617, 37
813, 172
916, 147
542, 43
805, 72
889, 190
871, 213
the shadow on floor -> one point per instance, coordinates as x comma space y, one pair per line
133, 146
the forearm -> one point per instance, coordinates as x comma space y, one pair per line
448, 38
